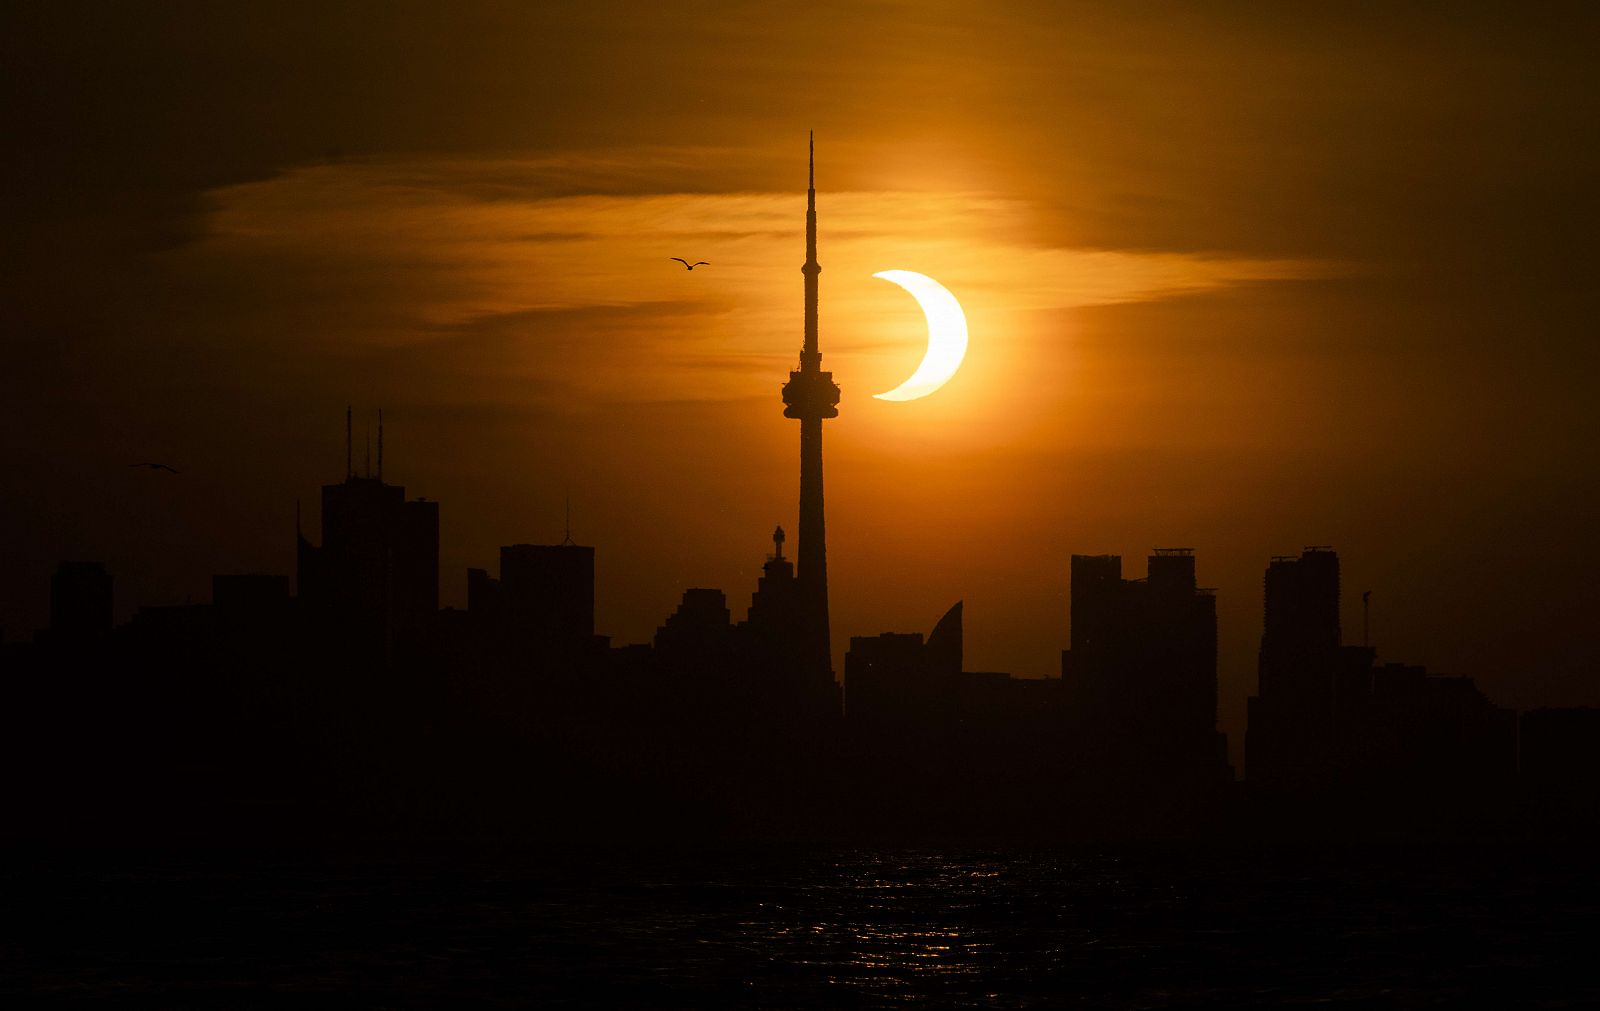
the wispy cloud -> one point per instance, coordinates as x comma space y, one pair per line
376, 254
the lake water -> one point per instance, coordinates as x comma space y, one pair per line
1113, 927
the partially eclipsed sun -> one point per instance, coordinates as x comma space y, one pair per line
947, 335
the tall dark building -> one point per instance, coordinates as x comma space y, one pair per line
1290, 739
80, 601
811, 396
1140, 678
1327, 721
538, 616
376, 572
1300, 628
549, 589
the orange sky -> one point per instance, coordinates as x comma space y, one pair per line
1239, 279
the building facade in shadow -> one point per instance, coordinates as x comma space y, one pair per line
375, 576
1140, 684
80, 601
1334, 734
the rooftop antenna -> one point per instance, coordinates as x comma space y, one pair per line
777, 543
567, 541
1366, 617
349, 471
380, 444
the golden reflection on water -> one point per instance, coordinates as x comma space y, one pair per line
900, 937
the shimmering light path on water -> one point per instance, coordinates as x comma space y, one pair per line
856, 928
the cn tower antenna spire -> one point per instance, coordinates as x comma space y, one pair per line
811, 357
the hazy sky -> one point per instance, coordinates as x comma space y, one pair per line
1240, 277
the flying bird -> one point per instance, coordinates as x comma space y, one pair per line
691, 266
155, 466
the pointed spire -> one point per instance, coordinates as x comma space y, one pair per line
811, 356
811, 199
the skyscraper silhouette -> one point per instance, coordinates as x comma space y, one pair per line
376, 573
1140, 681
1332, 730
1290, 740
549, 590
809, 397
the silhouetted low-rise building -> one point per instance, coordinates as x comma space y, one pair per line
1425, 734
899, 683
1559, 761
1560, 748
80, 601
697, 638
254, 591
1344, 737
931, 744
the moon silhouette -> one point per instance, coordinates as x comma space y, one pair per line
947, 335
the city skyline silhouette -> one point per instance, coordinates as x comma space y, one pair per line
1268, 342
409, 597
720, 726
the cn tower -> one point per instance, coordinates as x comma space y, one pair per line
809, 396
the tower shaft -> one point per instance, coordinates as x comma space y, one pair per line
812, 563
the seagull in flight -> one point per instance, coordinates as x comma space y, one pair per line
691, 266
155, 466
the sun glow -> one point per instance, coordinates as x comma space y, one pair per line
947, 335
538, 299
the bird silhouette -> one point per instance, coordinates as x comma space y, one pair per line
691, 266
155, 466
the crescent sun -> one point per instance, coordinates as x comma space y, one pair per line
947, 334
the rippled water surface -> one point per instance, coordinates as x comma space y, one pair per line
1109, 927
